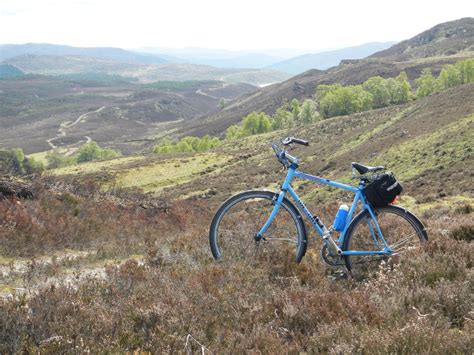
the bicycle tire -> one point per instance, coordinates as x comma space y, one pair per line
240, 207
358, 237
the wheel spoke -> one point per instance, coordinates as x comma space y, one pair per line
233, 238
400, 231
403, 241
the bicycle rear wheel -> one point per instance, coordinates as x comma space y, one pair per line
239, 219
402, 231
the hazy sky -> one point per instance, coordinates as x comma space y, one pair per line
235, 25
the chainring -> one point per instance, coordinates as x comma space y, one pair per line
329, 259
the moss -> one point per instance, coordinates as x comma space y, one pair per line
155, 177
93, 167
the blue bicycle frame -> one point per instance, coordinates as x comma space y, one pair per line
316, 223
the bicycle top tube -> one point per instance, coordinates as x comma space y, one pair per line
291, 163
324, 181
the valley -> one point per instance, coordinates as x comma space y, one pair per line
122, 115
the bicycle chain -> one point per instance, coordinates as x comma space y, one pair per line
326, 258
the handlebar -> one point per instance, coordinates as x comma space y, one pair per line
283, 156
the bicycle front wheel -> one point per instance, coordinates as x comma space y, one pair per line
239, 219
402, 231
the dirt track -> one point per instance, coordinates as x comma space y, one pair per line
64, 125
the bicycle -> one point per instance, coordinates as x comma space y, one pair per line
252, 219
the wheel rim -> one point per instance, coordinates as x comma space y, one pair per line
242, 220
399, 232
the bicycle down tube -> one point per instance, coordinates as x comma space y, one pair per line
315, 221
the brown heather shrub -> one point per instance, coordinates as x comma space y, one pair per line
463, 232
424, 304
464, 209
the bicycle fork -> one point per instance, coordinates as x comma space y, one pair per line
277, 202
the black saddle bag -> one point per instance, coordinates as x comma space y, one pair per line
383, 190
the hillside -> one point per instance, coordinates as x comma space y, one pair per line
327, 59
8, 51
65, 112
349, 72
72, 64
426, 139
450, 38
57, 65
9, 71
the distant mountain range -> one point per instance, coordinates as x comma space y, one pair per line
259, 68
13, 50
325, 60
220, 58
76, 64
288, 61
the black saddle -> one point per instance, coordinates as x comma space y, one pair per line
364, 169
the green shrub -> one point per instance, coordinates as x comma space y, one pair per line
187, 144
91, 151
338, 100
14, 162
57, 160
427, 84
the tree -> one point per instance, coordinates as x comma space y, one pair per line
363, 100
450, 76
377, 86
426, 83
187, 144
255, 123
295, 109
56, 160
12, 162
165, 146
32, 166
191, 141
323, 90
206, 143
183, 146
340, 100
88, 152
222, 104
283, 118
234, 132
163, 149
264, 123
308, 113
249, 123
466, 70
404, 92
91, 151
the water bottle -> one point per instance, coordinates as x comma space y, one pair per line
340, 219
